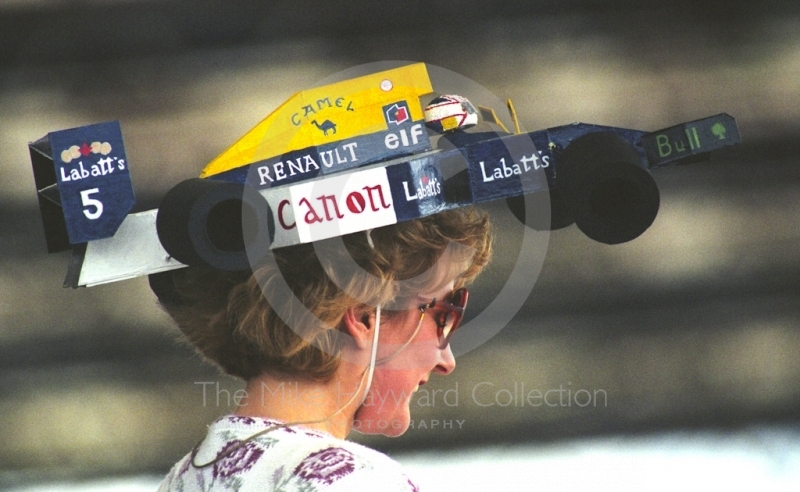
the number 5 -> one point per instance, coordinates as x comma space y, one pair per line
91, 202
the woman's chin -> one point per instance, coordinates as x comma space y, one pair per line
394, 428
389, 426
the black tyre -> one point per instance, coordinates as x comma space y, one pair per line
561, 214
214, 223
614, 198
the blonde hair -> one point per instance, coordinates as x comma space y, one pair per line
251, 325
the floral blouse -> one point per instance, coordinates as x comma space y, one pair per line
289, 459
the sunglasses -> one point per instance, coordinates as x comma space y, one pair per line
452, 312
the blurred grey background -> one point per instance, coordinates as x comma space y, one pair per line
694, 325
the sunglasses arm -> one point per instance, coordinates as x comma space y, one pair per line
408, 342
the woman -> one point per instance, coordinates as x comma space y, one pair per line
332, 337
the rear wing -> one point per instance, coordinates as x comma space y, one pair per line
83, 184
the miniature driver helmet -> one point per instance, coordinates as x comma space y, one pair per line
450, 112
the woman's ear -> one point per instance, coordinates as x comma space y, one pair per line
359, 324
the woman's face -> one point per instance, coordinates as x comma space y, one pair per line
386, 410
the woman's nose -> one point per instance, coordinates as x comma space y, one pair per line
447, 361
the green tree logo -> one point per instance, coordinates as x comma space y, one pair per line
719, 130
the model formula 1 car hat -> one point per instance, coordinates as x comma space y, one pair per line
354, 155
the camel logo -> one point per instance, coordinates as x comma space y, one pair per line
397, 113
311, 110
325, 126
